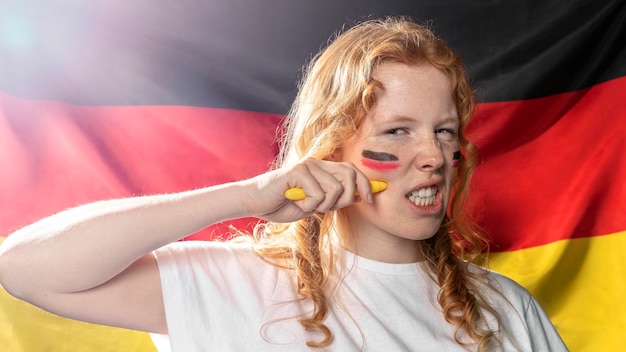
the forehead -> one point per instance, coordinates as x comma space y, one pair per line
418, 91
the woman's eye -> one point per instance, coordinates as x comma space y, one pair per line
446, 134
396, 131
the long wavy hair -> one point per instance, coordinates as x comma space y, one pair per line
335, 94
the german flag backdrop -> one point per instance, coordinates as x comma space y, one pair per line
112, 98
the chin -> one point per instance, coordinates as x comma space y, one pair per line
423, 231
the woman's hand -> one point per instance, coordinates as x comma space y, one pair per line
328, 185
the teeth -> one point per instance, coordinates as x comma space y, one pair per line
423, 196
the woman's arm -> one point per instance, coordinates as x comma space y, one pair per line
85, 263
94, 262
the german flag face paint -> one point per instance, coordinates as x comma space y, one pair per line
379, 161
456, 159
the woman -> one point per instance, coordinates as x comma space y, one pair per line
387, 101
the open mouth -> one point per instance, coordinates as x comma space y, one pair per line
423, 197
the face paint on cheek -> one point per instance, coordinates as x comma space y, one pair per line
456, 159
379, 161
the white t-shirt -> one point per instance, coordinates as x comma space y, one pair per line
223, 297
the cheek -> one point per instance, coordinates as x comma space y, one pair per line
379, 165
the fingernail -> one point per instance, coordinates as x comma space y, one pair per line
369, 198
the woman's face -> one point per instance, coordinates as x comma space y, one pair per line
409, 139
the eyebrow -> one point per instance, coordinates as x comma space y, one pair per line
402, 118
454, 119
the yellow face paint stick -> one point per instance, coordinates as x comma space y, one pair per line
298, 193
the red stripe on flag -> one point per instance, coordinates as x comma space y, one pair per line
58, 155
552, 168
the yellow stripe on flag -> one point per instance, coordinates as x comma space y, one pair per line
26, 328
581, 283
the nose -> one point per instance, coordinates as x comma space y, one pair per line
429, 155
